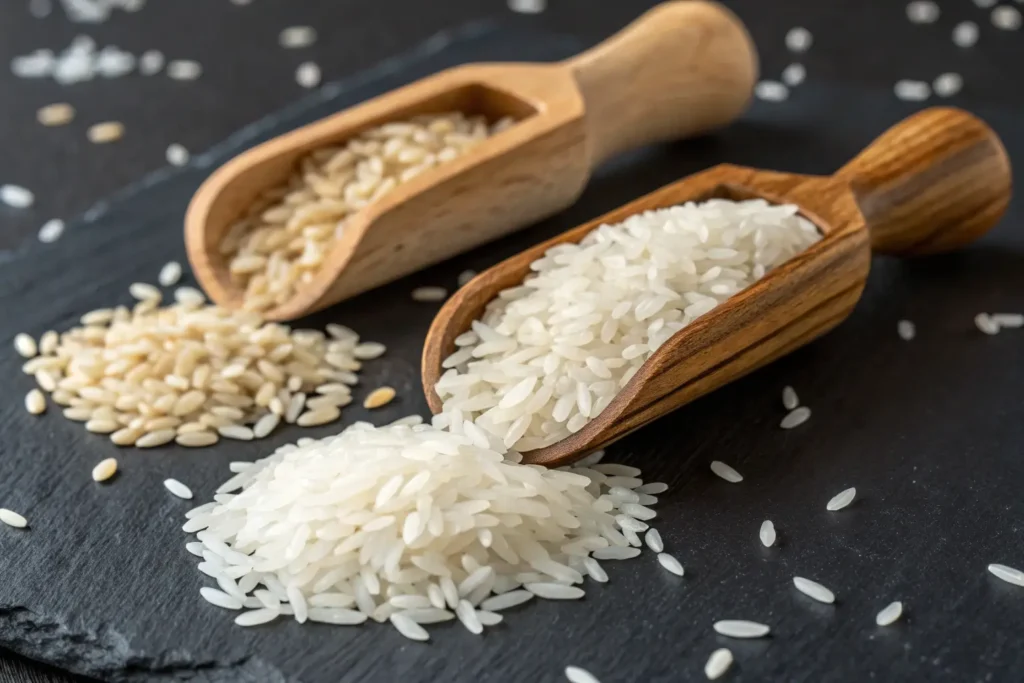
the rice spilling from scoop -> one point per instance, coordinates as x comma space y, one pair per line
401, 518
549, 355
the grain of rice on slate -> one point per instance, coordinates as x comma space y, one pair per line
108, 131
767, 533
12, 519
1007, 574
549, 355
16, 197
841, 499
889, 614
799, 39
575, 674
178, 489
51, 231
57, 114
428, 486
796, 417
814, 590
718, 663
281, 241
726, 472
741, 628
906, 330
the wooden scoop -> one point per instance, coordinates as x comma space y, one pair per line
932, 183
681, 69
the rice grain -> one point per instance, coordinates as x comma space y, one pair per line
671, 564
575, 674
178, 489
718, 663
814, 590
740, 628
1007, 574
104, 470
796, 417
767, 533
841, 499
726, 472
12, 519
889, 614
379, 397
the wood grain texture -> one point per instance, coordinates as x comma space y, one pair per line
890, 182
684, 68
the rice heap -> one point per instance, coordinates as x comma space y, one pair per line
193, 373
411, 521
551, 354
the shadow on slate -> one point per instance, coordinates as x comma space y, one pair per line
929, 431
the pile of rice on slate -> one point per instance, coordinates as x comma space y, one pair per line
191, 373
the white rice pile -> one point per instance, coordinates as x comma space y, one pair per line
550, 355
409, 523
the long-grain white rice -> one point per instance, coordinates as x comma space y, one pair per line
718, 663
841, 499
671, 564
12, 518
1007, 574
51, 231
726, 472
740, 628
767, 533
576, 674
889, 614
178, 489
590, 314
796, 417
370, 517
813, 589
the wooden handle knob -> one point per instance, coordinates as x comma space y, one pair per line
933, 182
682, 68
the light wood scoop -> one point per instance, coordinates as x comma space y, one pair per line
681, 69
932, 183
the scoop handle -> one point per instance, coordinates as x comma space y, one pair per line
934, 182
683, 68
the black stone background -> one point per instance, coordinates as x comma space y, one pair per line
929, 432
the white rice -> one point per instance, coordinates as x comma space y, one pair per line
308, 75
370, 516
740, 628
51, 231
465, 276
528, 7
718, 663
12, 519
295, 37
889, 614
1006, 18
794, 74
104, 470
184, 69
841, 499
429, 294
16, 197
965, 34
220, 598
922, 12
906, 330
671, 564
986, 324
1008, 320
799, 39
653, 540
177, 155
912, 91
169, 274
947, 84
1007, 574
408, 628
549, 355
771, 91
790, 400
814, 590
178, 489
767, 533
575, 674
726, 472
796, 417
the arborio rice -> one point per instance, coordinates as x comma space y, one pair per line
549, 355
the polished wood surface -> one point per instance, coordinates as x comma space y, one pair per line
933, 182
683, 68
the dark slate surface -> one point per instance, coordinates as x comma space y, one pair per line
929, 432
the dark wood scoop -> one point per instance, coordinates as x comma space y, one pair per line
934, 182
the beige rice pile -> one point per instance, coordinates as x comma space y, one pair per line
277, 247
193, 373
